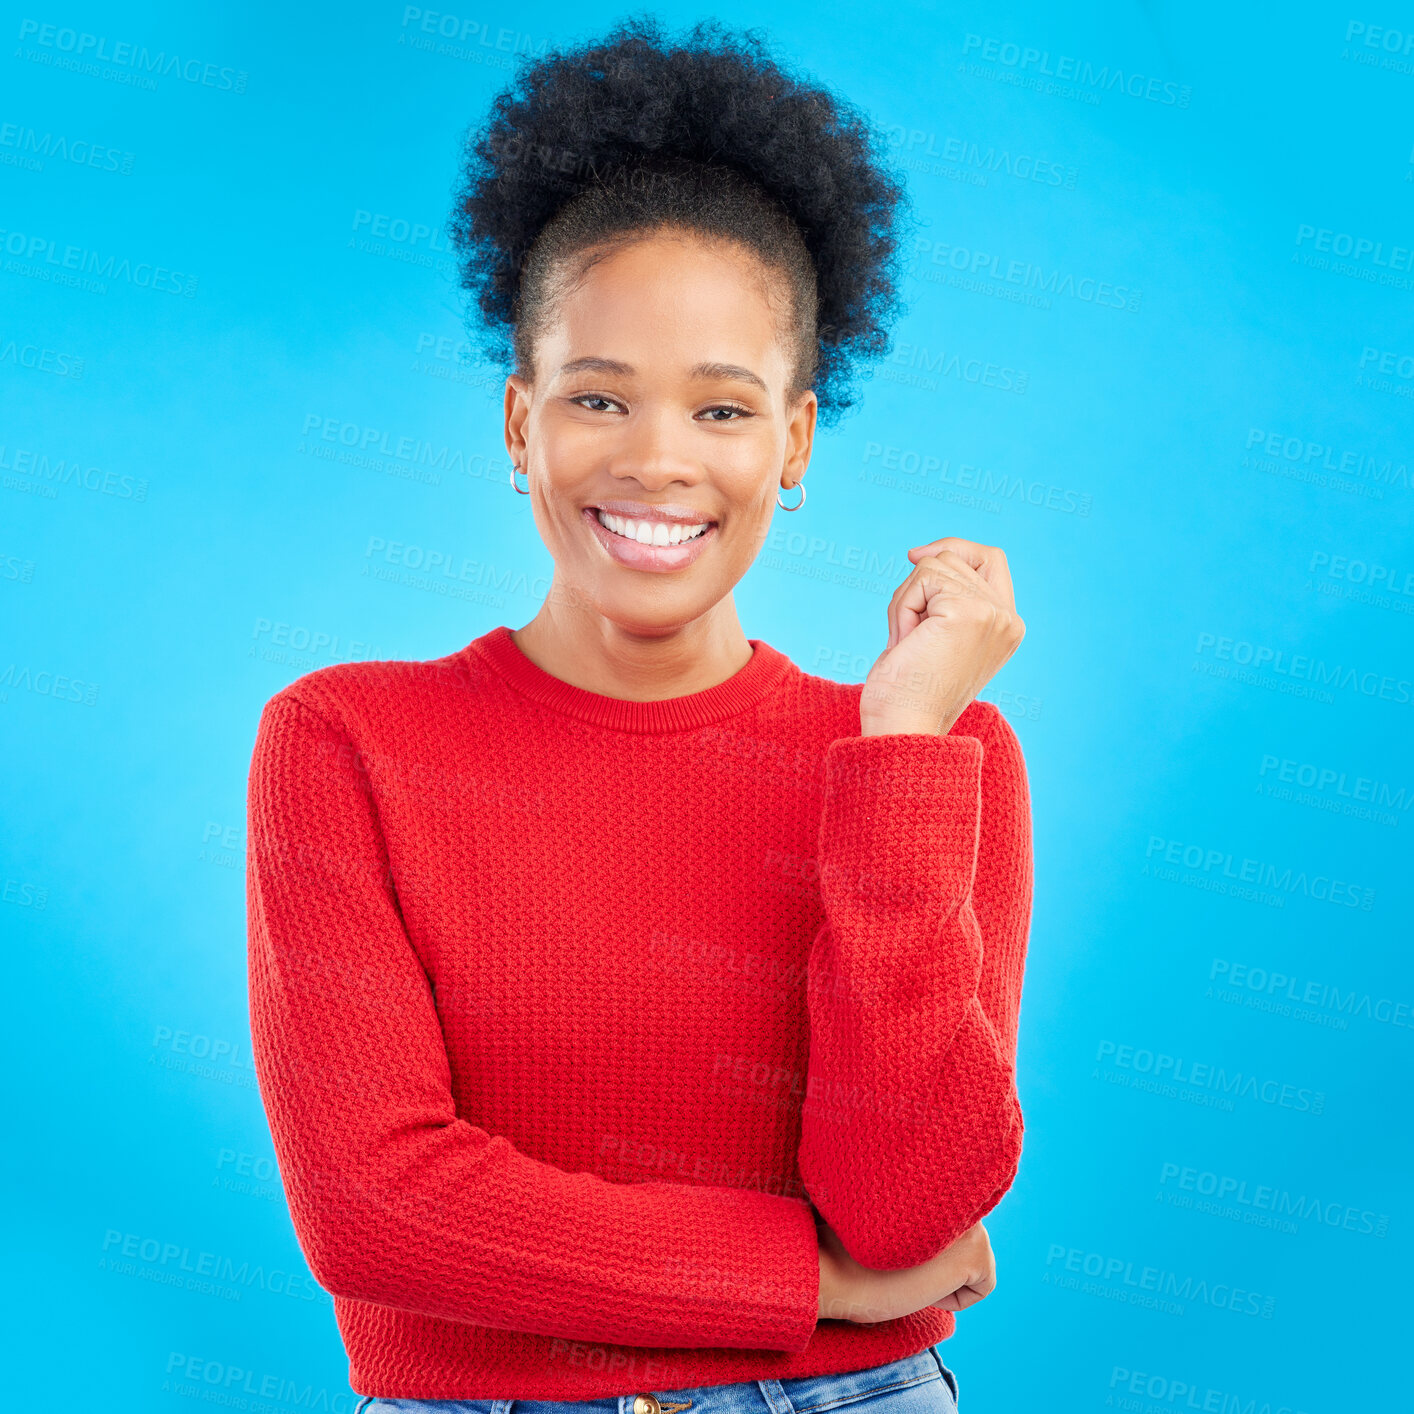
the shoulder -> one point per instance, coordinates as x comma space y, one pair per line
355, 698
822, 689
825, 704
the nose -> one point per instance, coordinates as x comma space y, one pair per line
654, 451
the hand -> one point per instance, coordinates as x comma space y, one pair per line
959, 1276
952, 624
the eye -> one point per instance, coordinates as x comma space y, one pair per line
740, 412
584, 398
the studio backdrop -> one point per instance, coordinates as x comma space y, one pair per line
1159, 347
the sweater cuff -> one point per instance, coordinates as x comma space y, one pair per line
901, 818
766, 1290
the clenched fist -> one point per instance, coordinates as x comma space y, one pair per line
959, 1276
952, 624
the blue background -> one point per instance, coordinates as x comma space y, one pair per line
1201, 483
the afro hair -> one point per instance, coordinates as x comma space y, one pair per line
591, 143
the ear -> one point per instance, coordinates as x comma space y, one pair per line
800, 436
517, 413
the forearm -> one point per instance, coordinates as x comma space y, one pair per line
903, 1160
911, 1129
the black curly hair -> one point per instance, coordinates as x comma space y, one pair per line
594, 144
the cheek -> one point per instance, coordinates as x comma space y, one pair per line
753, 494
752, 527
563, 471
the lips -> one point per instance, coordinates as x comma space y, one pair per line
634, 554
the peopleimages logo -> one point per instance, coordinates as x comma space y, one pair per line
212, 1273
31, 149
1395, 578
40, 359
1283, 989
1029, 60
400, 230
970, 262
1379, 47
1185, 1394
1269, 1198
1336, 781
1388, 361
218, 1382
1205, 1075
1126, 1280
84, 49
1302, 666
70, 472
1323, 457
978, 160
1259, 873
1353, 247
44, 256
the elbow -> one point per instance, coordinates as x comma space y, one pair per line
333, 1261
985, 1184
342, 1267
334, 1278
1001, 1172
975, 1181
331, 1222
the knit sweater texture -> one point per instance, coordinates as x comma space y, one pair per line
569, 1013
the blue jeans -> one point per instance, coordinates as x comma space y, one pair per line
917, 1384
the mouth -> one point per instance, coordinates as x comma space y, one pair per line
651, 532
670, 538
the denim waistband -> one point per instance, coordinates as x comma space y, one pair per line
802, 1394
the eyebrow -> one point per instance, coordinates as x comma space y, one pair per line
591, 364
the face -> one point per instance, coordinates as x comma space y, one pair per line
659, 407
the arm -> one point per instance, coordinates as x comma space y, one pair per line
911, 1128
398, 1200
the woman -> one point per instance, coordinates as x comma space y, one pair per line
635, 1013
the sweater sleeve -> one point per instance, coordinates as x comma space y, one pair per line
397, 1199
911, 1125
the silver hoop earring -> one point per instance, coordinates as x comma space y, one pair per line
798, 504
514, 471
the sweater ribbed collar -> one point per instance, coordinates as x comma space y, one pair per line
764, 670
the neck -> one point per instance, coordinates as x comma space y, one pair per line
580, 646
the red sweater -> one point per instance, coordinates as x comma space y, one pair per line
565, 1008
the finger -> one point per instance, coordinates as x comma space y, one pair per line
942, 574
925, 584
997, 589
988, 560
909, 605
969, 1295
971, 550
967, 571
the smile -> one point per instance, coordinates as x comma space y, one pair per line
655, 545
647, 532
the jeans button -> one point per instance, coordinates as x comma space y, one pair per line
646, 1404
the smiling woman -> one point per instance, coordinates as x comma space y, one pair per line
622, 434
635, 1013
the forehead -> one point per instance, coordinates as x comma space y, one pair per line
703, 300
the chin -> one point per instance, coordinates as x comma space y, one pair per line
653, 615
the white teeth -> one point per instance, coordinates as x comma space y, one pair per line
651, 532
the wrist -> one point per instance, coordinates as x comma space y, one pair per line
892, 726
829, 1285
